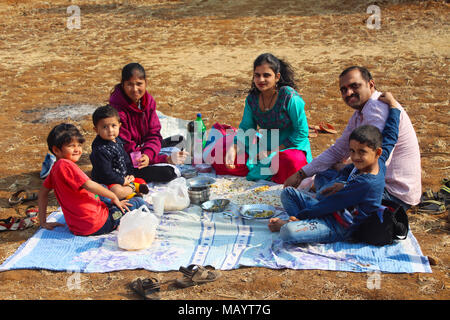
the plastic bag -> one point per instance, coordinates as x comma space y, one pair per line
137, 229
177, 193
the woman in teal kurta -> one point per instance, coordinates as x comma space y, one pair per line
274, 108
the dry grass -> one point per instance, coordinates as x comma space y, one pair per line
198, 55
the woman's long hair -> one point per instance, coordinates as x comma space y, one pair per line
287, 77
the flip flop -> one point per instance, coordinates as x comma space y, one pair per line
195, 275
312, 133
327, 127
148, 288
431, 207
21, 196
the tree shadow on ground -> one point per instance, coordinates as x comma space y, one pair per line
218, 9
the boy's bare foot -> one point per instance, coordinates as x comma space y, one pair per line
275, 224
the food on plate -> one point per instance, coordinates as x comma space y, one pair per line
260, 213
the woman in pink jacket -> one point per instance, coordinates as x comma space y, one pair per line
140, 127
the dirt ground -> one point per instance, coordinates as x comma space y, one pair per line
198, 55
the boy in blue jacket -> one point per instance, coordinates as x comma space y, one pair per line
344, 198
111, 165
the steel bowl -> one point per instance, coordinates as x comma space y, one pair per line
199, 196
216, 205
189, 173
199, 183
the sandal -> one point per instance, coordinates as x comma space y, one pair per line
312, 133
32, 211
327, 128
429, 195
21, 196
444, 194
148, 288
196, 274
431, 207
13, 224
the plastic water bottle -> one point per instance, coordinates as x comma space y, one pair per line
200, 126
197, 131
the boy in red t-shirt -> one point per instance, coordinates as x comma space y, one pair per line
85, 214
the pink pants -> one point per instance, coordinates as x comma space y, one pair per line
289, 162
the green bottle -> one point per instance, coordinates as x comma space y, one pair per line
200, 126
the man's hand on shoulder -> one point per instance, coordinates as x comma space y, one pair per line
389, 99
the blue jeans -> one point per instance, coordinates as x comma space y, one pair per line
114, 216
390, 197
323, 180
325, 229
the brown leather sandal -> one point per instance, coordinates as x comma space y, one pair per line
148, 288
196, 274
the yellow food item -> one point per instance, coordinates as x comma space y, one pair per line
262, 188
241, 191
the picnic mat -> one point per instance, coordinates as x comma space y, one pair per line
194, 236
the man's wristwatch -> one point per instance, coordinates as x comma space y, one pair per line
302, 174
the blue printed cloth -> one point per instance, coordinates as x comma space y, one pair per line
224, 242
